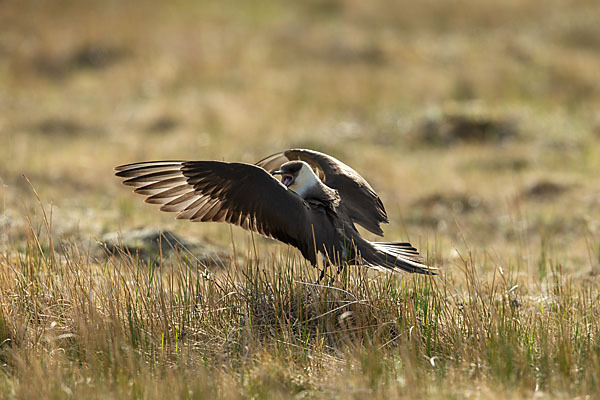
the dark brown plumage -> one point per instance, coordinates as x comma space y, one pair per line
359, 198
304, 212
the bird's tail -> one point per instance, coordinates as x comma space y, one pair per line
396, 256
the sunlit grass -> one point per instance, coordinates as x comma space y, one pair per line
264, 329
515, 311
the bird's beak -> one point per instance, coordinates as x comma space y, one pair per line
278, 172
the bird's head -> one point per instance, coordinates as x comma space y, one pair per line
297, 176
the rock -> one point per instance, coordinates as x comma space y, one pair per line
455, 125
65, 127
149, 243
162, 124
500, 163
89, 56
544, 190
96, 56
437, 210
442, 203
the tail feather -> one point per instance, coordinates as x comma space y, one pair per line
400, 248
398, 256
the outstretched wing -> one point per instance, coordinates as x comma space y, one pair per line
363, 204
237, 193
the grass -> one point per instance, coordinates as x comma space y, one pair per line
122, 328
475, 121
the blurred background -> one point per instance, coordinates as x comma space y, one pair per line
477, 122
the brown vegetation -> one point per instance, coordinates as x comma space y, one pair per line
476, 122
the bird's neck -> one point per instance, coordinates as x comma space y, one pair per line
321, 192
308, 186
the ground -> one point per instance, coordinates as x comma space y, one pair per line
476, 122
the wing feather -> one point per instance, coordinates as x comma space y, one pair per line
164, 183
238, 193
165, 193
180, 203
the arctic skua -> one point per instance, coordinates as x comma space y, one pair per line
299, 210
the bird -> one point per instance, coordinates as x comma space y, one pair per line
313, 207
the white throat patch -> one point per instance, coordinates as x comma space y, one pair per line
305, 181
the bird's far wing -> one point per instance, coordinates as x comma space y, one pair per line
364, 205
274, 161
238, 193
